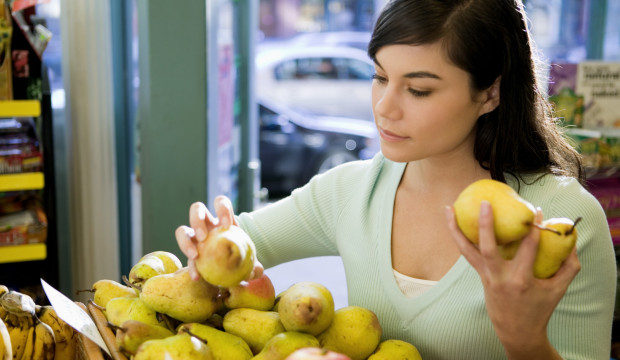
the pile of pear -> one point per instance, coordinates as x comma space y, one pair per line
513, 219
159, 312
29, 331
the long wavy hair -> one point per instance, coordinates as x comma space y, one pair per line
490, 39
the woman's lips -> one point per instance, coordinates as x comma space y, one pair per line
390, 136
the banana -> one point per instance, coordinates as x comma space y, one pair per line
28, 348
6, 349
66, 337
19, 327
3, 289
17, 303
44, 342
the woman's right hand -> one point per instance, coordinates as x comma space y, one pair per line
201, 222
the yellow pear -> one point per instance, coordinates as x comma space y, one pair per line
144, 269
283, 344
132, 333
558, 237
105, 289
513, 216
306, 307
170, 260
255, 327
355, 332
180, 297
176, 347
226, 257
224, 345
393, 349
121, 309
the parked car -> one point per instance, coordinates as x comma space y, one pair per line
294, 146
327, 80
356, 39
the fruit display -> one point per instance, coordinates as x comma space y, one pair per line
513, 218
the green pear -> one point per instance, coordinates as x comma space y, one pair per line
105, 290
133, 333
255, 327
177, 347
558, 237
121, 309
144, 269
170, 260
513, 216
306, 307
283, 344
316, 353
355, 332
258, 294
393, 349
180, 297
226, 257
224, 345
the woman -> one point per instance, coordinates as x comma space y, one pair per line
455, 99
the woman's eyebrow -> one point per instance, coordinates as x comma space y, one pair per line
421, 74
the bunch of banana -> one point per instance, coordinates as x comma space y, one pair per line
29, 338
66, 337
6, 349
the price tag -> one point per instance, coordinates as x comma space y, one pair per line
74, 315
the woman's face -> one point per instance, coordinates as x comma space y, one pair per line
423, 104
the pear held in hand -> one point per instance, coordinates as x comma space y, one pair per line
513, 216
558, 237
306, 307
226, 257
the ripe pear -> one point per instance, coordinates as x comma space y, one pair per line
170, 260
258, 294
121, 309
306, 307
393, 349
316, 353
180, 297
355, 332
513, 216
558, 237
132, 333
224, 345
226, 256
176, 347
144, 269
283, 344
255, 327
104, 290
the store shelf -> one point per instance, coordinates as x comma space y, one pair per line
18, 253
22, 181
20, 108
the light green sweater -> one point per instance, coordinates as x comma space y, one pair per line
348, 212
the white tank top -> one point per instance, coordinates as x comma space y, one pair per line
412, 287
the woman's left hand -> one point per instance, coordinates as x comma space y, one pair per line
519, 305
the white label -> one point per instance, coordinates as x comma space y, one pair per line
74, 315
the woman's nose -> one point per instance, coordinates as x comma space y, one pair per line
387, 104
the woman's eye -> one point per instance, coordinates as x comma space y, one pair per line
379, 79
418, 93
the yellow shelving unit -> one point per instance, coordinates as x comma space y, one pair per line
21, 182
26, 252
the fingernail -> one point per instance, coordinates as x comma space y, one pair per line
202, 213
200, 234
192, 253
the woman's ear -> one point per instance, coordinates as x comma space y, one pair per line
491, 97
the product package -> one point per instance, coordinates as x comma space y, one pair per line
6, 72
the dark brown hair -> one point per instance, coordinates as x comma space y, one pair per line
489, 39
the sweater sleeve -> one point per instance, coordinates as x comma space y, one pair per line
304, 224
580, 327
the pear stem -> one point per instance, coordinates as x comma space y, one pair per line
96, 305
115, 328
570, 231
84, 290
194, 335
126, 281
547, 229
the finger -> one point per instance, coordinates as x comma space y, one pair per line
224, 211
185, 239
526, 255
201, 220
486, 233
465, 246
193, 272
258, 270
